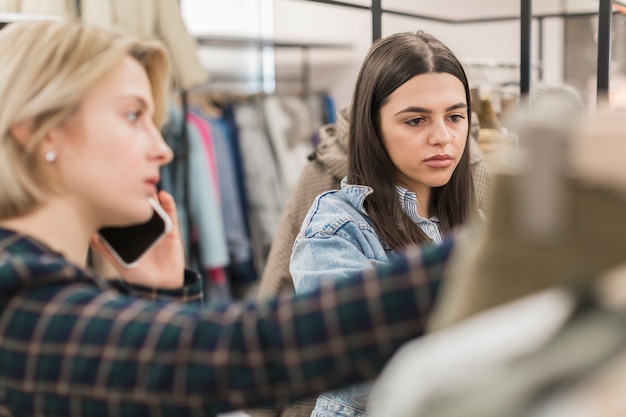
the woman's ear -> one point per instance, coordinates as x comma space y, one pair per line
22, 132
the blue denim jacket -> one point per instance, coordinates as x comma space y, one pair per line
336, 240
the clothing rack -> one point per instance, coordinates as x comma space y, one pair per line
605, 12
304, 47
493, 73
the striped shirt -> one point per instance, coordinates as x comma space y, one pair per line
72, 344
430, 226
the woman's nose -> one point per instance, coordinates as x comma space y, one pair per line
160, 148
167, 153
440, 134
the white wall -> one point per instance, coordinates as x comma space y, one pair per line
332, 70
497, 41
232, 18
335, 70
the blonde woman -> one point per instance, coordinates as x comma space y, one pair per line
80, 149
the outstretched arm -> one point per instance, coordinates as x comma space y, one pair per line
70, 348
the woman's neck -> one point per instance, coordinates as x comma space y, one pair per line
57, 227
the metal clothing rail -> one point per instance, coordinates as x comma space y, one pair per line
304, 47
605, 13
525, 46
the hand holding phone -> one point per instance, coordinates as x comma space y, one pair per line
149, 254
127, 244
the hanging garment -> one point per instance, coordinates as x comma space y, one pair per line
324, 171
152, 19
65, 9
496, 145
238, 240
290, 127
207, 228
601, 394
231, 130
173, 175
264, 185
204, 207
209, 150
544, 226
429, 368
514, 381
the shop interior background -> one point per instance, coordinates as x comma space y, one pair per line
490, 50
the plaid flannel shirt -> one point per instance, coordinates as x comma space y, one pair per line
72, 344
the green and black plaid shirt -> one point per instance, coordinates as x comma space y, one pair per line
72, 344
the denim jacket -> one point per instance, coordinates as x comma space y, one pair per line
337, 239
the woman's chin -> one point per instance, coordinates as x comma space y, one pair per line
144, 217
131, 219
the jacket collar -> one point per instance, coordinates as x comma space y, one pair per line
355, 194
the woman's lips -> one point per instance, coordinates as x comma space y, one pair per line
439, 161
152, 183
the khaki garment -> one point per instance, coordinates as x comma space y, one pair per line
495, 145
152, 19
63, 8
502, 265
321, 174
146, 19
506, 262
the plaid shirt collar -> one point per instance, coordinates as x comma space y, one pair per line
50, 265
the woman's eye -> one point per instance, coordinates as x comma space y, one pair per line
133, 116
456, 117
415, 122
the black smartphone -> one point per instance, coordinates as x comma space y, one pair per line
129, 243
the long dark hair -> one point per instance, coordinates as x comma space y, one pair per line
391, 62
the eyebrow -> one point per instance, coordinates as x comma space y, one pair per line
134, 97
416, 109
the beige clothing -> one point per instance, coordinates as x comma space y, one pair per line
495, 145
152, 19
507, 262
432, 367
63, 8
146, 19
322, 173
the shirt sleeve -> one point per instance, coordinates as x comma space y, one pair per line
190, 292
71, 348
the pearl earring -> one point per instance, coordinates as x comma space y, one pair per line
51, 156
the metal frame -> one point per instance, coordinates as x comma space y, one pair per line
305, 48
525, 46
605, 13
604, 47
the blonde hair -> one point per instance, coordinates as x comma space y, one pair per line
46, 70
